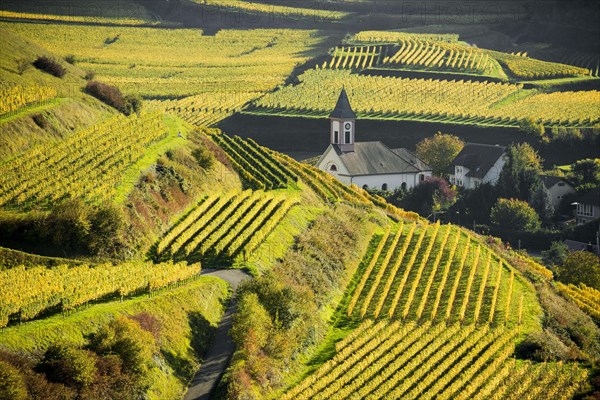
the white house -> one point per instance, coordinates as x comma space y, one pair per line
476, 164
370, 165
588, 207
558, 188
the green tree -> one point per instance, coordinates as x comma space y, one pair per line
12, 384
532, 127
514, 214
520, 176
125, 338
586, 173
541, 201
439, 151
434, 194
68, 225
71, 366
556, 255
204, 157
581, 267
106, 234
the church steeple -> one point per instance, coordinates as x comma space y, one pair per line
342, 124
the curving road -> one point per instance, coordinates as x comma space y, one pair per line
221, 349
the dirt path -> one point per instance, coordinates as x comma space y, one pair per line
220, 351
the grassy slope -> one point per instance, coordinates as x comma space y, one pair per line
187, 316
70, 111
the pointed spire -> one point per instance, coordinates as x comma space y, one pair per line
342, 109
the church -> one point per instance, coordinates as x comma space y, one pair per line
370, 165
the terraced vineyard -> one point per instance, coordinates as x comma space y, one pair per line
440, 274
464, 102
222, 227
161, 63
530, 68
89, 163
14, 97
587, 298
255, 165
206, 109
413, 53
387, 359
27, 292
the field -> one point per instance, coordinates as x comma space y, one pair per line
393, 360
351, 297
458, 102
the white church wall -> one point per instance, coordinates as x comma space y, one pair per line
331, 158
393, 181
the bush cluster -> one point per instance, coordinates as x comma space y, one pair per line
278, 313
112, 96
114, 364
50, 66
71, 228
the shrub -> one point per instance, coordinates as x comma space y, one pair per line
50, 66
23, 65
581, 267
556, 254
89, 75
125, 338
70, 59
40, 120
205, 158
515, 215
112, 96
12, 385
68, 365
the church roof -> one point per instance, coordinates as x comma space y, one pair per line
342, 109
375, 158
479, 158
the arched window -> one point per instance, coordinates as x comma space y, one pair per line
366, 187
403, 186
333, 168
384, 186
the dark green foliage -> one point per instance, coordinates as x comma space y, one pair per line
40, 120
73, 367
71, 228
581, 267
70, 58
476, 204
432, 195
205, 157
112, 96
541, 201
50, 66
532, 127
515, 215
585, 174
556, 254
520, 177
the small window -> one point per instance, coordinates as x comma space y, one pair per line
347, 137
366, 187
421, 177
403, 186
333, 168
336, 137
384, 186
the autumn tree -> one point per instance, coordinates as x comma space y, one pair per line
520, 176
439, 151
581, 267
514, 214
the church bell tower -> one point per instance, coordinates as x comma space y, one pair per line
343, 124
